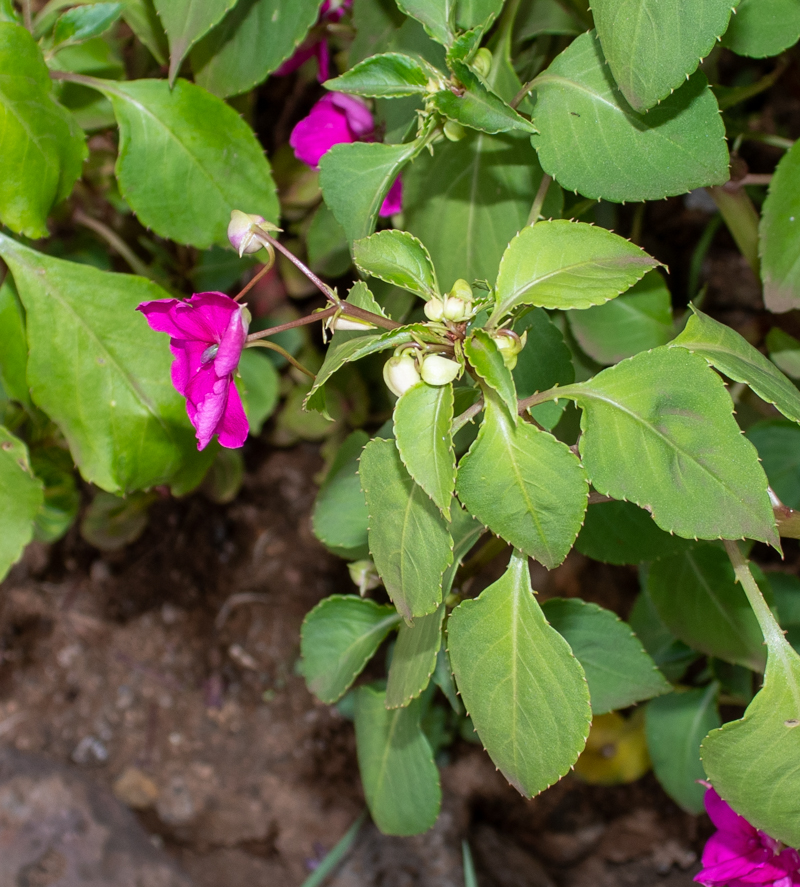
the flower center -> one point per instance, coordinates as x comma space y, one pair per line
209, 354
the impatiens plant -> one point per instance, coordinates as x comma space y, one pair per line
531, 391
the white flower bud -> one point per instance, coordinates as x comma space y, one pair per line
240, 232
462, 290
438, 370
482, 63
453, 131
434, 309
509, 344
349, 323
364, 575
456, 309
400, 373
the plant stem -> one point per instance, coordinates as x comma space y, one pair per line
773, 635
284, 353
251, 283
301, 321
700, 252
467, 416
740, 216
115, 242
27, 15
538, 201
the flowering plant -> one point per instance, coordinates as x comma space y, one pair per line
541, 388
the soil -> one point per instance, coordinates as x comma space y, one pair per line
166, 673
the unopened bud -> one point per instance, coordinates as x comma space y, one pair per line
456, 309
482, 63
438, 370
400, 373
462, 290
243, 231
453, 131
364, 576
509, 344
341, 322
434, 309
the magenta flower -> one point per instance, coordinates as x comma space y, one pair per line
207, 333
335, 119
739, 855
317, 43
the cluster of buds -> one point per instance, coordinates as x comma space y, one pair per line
509, 344
455, 307
244, 234
405, 370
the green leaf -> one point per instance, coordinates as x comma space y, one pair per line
401, 782
436, 16
414, 658
544, 362
618, 670
260, 382
99, 372
340, 517
671, 656
468, 200
523, 688
84, 22
754, 763
8, 13
779, 235
251, 42
143, 20
525, 485
784, 351
112, 522
20, 499
470, 13
477, 106
658, 429
423, 417
652, 46
53, 466
389, 75
14, 354
636, 321
355, 179
676, 725
398, 258
338, 638
328, 250
465, 532
546, 17
187, 159
761, 28
185, 22
697, 597
561, 264
487, 361
621, 533
43, 149
224, 478
734, 356
592, 141
778, 445
408, 537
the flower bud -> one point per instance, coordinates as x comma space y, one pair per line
462, 290
434, 309
456, 309
482, 63
341, 322
453, 131
509, 344
364, 576
240, 232
438, 370
400, 373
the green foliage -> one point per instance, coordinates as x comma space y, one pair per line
779, 240
591, 141
397, 257
436, 16
125, 424
43, 149
676, 725
618, 670
400, 779
53, 466
408, 537
423, 419
259, 388
112, 522
763, 27
486, 360
414, 658
524, 485
778, 445
253, 39
389, 75
185, 22
697, 597
522, 686
684, 458
84, 22
639, 320
186, 160
652, 46
14, 355
564, 265
339, 636
20, 499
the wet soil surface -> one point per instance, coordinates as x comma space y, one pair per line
165, 675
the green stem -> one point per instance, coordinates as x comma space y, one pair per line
773, 635
467, 416
699, 254
740, 216
115, 242
729, 97
284, 353
332, 860
27, 15
538, 201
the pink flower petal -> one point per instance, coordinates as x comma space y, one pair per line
230, 348
233, 427
394, 199
323, 61
359, 117
188, 361
160, 315
724, 817
315, 135
205, 404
